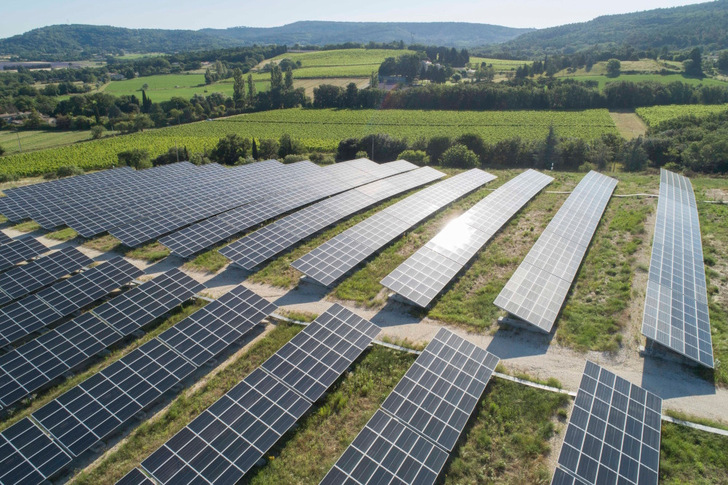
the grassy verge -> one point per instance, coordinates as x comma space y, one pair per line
324, 434
62, 234
210, 261
27, 226
30, 406
593, 317
509, 438
153, 433
691, 456
150, 252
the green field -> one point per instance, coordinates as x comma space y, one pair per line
164, 87
655, 115
660, 78
39, 140
319, 130
499, 65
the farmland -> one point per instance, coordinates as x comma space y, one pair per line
655, 115
319, 130
660, 78
39, 140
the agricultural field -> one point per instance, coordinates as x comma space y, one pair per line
337, 63
642, 66
660, 78
655, 115
39, 140
500, 65
319, 130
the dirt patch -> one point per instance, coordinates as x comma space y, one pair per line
629, 125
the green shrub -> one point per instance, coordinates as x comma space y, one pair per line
459, 156
293, 158
69, 171
436, 147
135, 158
8, 177
267, 149
587, 167
361, 154
418, 157
673, 167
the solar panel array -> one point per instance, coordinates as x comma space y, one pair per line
676, 303
4, 238
334, 258
229, 437
426, 273
613, 434
20, 250
37, 363
410, 438
48, 306
538, 288
330, 180
23, 280
265, 243
29, 456
103, 403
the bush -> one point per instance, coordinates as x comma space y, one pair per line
288, 146
673, 167
459, 156
97, 132
135, 158
2, 151
418, 157
173, 155
267, 149
293, 158
361, 154
475, 144
8, 177
200, 159
436, 147
587, 167
229, 149
347, 149
321, 158
69, 171
384, 147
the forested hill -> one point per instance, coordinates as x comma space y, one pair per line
700, 25
450, 34
75, 42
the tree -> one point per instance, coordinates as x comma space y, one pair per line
351, 96
135, 158
288, 146
276, 87
548, 156
288, 82
613, 67
230, 149
251, 90
635, 156
238, 88
459, 156
693, 65
209, 77
268, 149
374, 80
255, 150
97, 132
2, 151
436, 147
723, 61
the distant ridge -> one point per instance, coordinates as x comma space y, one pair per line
74, 42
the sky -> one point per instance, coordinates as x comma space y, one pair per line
17, 16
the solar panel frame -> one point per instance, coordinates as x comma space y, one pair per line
538, 288
676, 313
23, 280
28, 455
136, 477
613, 433
439, 392
428, 271
19, 250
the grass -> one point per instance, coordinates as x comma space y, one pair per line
635, 78
695, 419
298, 315
39, 140
62, 234
508, 441
27, 226
691, 456
150, 252
210, 261
499, 65
154, 432
28, 407
323, 435
654, 115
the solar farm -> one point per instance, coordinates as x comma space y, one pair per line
118, 370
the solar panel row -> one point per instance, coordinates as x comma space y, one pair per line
20, 250
331, 180
409, 439
229, 437
334, 258
23, 280
93, 410
538, 288
4, 238
265, 243
48, 306
613, 434
37, 363
676, 303
426, 273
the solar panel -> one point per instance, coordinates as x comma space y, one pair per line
676, 303
334, 258
265, 243
538, 288
425, 274
387, 451
301, 191
28, 455
102, 403
439, 392
229, 437
135, 477
312, 360
613, 434
23, 280
34, 312
4, 238
208, 331
143, 304
20, 250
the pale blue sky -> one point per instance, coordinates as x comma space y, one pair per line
18, 16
